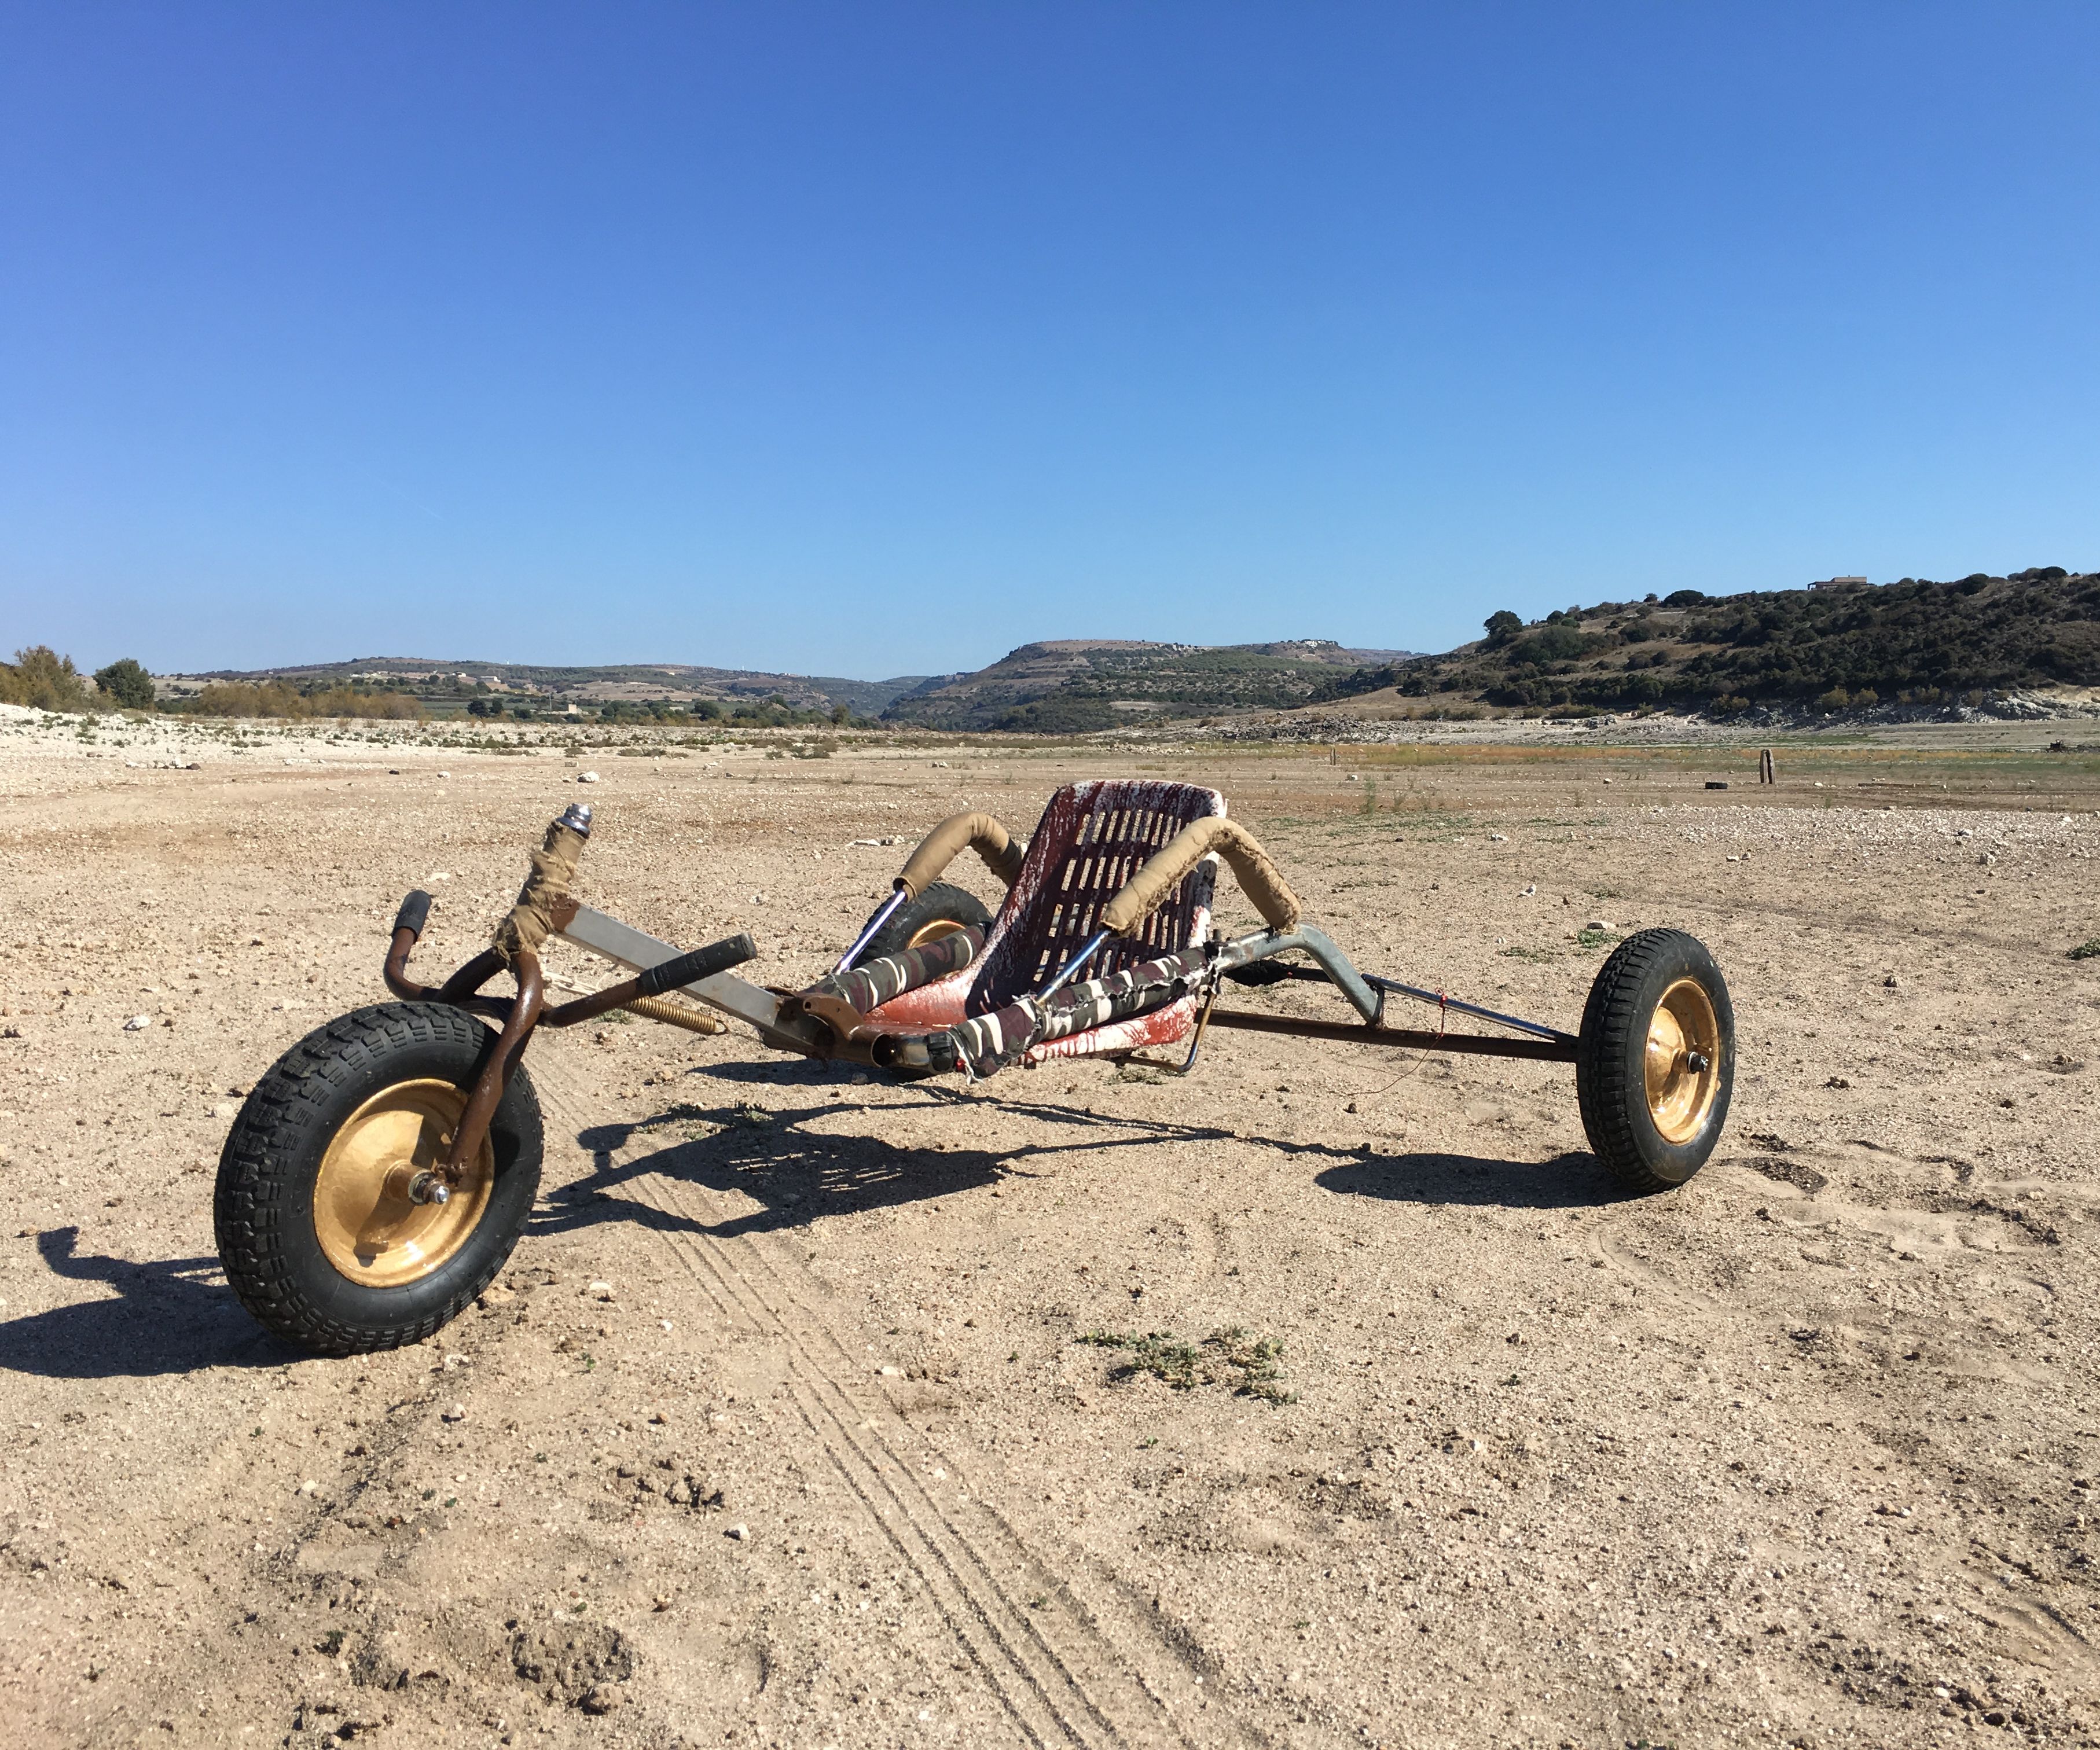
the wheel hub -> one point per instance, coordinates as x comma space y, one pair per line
933, 931
1681, 1061
384, 1214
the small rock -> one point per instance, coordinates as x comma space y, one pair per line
601, 1697
658, 1419
1890, 983
586, 778
495, 1293
138, 1024
1498, 837
600, 1291
1597, 923
224, 1110
741, 1533
310, 1487
1836, 1082
457, 1412
1528, 892
445, 774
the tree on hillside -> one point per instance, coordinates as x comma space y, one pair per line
1501, 626
127, 683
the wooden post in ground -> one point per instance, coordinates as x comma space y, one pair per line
1765, 774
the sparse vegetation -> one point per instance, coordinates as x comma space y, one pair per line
1251, 1365
1913, 643
281, 698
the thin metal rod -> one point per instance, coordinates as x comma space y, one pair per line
1203, 1022
1438, 1000
881, 917
1073, 965
1558, 1051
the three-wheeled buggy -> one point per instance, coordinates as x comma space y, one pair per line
379, 1176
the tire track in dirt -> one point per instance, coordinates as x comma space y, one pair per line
1072, 1665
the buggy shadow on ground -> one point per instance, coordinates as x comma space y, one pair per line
169, 1316
1573, 1181
799, 1173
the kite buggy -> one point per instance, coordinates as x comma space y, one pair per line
381, 1172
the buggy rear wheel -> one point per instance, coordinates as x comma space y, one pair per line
940, 911
1656, 1064
318, 1226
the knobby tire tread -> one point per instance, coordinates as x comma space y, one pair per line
257, 1164
1604, 1090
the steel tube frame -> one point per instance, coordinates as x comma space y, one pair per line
1472, 1044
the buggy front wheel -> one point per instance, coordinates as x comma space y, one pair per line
1655, 1063
318, 1228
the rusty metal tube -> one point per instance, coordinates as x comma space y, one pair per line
496, 1072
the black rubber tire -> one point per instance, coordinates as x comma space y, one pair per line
263, 1209
1610, 1070
939, 904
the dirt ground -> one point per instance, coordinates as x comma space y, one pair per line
784, 1429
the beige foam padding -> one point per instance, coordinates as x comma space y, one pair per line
531, 921
1001, 851
1259, 877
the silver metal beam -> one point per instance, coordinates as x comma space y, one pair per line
604, 935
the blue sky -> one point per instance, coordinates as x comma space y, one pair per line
872, 339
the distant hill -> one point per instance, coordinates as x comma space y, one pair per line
675, 683
1915, 642
1075, 685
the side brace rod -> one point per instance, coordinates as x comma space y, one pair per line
1476, 1044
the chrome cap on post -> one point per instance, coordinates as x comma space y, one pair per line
577, 817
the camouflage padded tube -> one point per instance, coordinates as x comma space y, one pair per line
990, 1042
870, 986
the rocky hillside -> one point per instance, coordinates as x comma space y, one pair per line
1073, 685
449, 681
1916, 642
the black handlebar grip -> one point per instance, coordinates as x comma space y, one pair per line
414, 913
702, 963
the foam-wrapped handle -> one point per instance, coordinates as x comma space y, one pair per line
1259, 877
702, 963
1001, 851
414, 913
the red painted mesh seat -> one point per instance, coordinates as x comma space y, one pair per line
1093, 838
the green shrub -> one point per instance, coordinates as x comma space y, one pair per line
127, 683
1501, 626
41, 678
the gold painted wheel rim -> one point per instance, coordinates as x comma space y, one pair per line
933, 931
370, 1232
1683, 1060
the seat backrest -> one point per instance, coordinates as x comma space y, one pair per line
1091, 839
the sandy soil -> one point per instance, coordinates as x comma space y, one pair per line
1804, 1453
